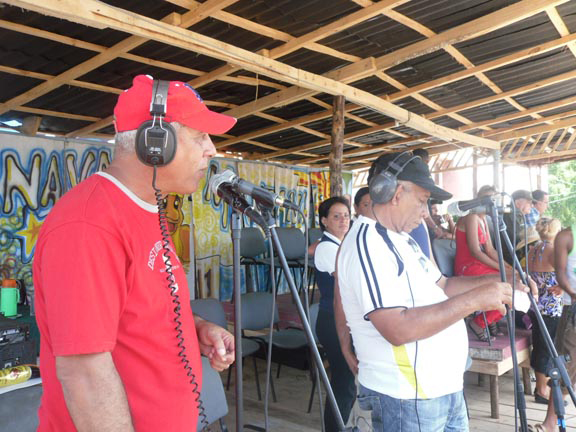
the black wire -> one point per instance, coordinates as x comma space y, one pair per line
415, 359
176, 302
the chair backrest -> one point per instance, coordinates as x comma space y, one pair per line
314, 234
444, 253
19, 409
293, 242
212, 395
256, 310
252, 243
211, 310
314, 318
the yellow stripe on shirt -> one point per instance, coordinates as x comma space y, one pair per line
403, 363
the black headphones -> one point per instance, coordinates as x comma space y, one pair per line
384, 184
156, 139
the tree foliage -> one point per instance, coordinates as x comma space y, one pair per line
562, 190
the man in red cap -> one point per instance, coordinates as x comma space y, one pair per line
119, 352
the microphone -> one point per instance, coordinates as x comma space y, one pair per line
225, 191
463, 208
259, 194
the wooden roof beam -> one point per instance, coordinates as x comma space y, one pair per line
79, 12
162, 32
570, 122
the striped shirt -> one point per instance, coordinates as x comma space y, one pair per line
377, 269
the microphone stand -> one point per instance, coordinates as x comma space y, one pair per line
519, 398
559, 371
306, 325
238, 383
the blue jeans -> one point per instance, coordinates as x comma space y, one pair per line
442, 414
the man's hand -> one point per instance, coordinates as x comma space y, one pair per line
493, 296
533, 287
216, 343
555, 290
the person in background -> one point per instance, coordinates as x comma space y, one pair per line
540, 202
522, 202
541, 259
439, 226
110, 357
363, 203
334, 216
565, 268
476, 256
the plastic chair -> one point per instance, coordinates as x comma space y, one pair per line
256, 310
252, 249
213, 397
444, 251
211, 310
314, 308
19, 409
314, 234
293, 244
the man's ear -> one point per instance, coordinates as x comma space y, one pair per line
397, 194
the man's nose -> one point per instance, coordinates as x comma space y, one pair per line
210, 149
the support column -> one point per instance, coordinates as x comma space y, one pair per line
496, 167
337, 148
474, 174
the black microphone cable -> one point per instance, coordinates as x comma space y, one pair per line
171, 282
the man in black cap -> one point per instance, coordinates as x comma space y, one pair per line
405, 318
516, 221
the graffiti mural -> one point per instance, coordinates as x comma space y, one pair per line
34, 174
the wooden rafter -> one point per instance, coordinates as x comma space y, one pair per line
296, 84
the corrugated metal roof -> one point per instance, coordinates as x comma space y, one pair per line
377, 36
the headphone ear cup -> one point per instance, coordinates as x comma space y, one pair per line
152, 154
382, 187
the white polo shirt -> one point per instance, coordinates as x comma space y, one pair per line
382, 269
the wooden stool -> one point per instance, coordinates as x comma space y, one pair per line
496, 360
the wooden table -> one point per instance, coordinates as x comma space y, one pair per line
496, 360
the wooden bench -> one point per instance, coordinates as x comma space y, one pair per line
496, 360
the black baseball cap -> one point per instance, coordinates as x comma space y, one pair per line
415, 171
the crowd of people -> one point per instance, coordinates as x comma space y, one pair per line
391, 323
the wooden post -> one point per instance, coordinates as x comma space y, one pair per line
496, 166
337, 148
474, 174
30, 125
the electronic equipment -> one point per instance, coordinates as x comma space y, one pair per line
384, 184
156, 138
16, 347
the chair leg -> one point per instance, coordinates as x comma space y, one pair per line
272, 389
278, 371
223, 426
257, 379
229, 376
311, 400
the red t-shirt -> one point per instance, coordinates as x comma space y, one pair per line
100, 282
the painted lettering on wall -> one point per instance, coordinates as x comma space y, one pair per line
32, 180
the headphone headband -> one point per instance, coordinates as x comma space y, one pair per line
384, 184
156, 139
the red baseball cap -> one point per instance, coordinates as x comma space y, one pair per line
184, 105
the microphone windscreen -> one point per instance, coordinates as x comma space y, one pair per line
454, 210
216, 180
